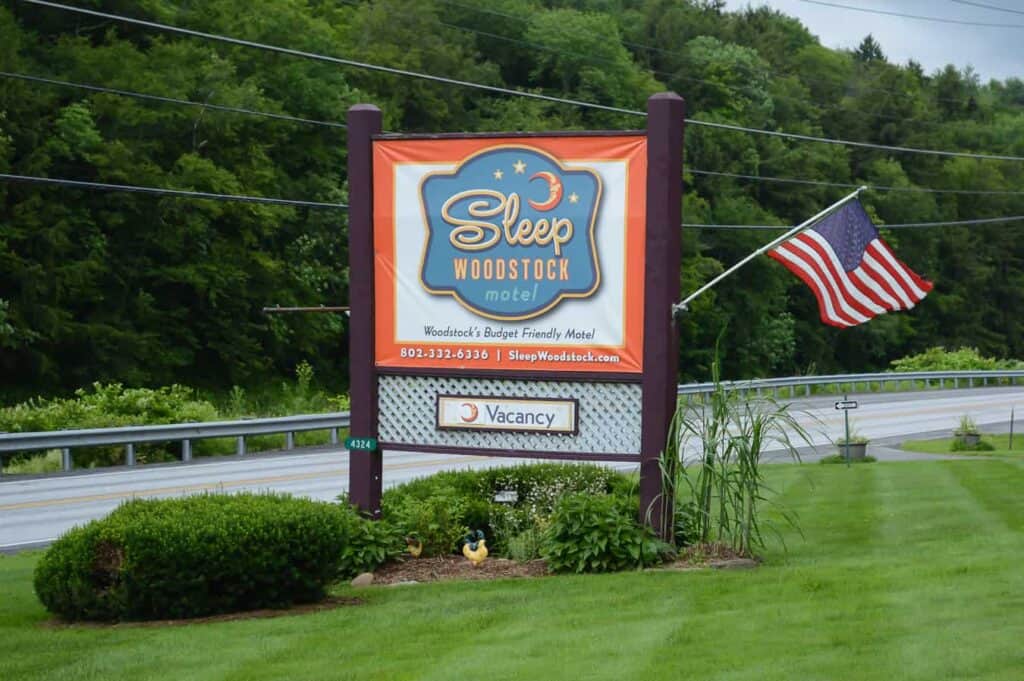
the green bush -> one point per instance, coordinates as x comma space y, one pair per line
113, 405
964, 359
195, 556
469, 495
599, 533
959, 445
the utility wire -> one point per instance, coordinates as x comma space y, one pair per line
848, 185
516, 93
986, 6
902, 225
695, 171
666, 74
334, 60
675, 53
168, 100
941, 20
509, 91
179, 193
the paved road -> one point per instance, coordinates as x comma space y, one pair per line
33, 511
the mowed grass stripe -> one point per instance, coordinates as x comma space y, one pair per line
785, 611
947, 590
907, 571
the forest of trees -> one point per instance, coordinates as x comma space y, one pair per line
153, 290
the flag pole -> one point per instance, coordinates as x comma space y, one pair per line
683, 304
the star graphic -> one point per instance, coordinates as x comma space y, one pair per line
520, 167
498, 174
574, 198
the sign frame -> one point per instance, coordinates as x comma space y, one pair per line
660, 352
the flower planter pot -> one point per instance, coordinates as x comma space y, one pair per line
969, 439
857, 450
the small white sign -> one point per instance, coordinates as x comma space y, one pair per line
846, 404
465, 412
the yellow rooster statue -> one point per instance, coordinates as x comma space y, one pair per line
414, 545
475, 548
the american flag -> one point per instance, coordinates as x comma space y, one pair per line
853, 273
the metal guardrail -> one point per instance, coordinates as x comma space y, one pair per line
186, 433
929, 378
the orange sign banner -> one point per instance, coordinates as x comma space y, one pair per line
521, 254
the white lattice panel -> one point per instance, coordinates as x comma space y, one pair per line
609, 414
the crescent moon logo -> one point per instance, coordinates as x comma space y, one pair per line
473, 413
554, 190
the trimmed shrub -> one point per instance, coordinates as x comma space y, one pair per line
600, 534
201, 555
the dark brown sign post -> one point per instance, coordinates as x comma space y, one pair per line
512, 295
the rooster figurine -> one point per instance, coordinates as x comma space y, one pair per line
414, 545
475, 548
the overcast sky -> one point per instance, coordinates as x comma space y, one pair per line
993, 52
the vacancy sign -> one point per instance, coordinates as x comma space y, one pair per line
462, 412
515, 253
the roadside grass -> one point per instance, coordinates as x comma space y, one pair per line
1000, 444
905, 571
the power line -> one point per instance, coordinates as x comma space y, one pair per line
515, 93
986, 6
179, 193
675, 53
668, 75
334, 60
848, 185
182, 193
942, 20
902, 225
167, 100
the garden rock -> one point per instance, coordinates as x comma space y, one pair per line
734, 564
364, 579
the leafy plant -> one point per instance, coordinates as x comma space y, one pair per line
437, 521
599, 534
527, 545
367, 544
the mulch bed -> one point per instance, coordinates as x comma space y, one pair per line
442, 568
329, 603
455, 567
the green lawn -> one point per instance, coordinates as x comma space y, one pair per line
907, 571
944, 446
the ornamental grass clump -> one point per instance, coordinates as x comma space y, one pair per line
712, 464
